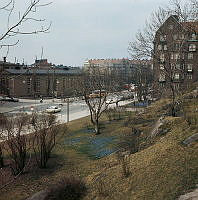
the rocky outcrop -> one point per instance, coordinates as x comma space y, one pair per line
188, 141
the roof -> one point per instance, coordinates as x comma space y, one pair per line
118, 61
44, 71
192, 26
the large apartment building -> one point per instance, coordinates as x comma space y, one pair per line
124, 68
39, 79
175, 56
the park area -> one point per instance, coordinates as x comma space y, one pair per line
160, 164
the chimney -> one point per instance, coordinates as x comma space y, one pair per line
4, 59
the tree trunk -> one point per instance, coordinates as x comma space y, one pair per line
173, 102
1, 158
96, 126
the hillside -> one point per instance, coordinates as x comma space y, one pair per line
163, 169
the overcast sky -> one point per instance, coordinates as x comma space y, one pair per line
83, 29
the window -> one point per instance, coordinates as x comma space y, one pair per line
193, 36
165, 47
159, 47
161, 77
171, 26
175, 36
189, 76
182, 36
162, 67
190, 56
189, 67
177, 46
177, 66
177, 56
192, 47
162, 57
176, 76
172, 66
162, 38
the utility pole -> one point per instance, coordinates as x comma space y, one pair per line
67, 109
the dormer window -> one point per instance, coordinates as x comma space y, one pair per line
159, 47
162, 38
171, 27
162, 67
192, 47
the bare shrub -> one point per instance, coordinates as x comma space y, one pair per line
69, 188
100, 185
1, 156
123, 160
114, 113
44, 137
16, 142
130, 141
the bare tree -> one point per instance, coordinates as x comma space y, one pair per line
16, 24
172, 70
2, 123
44, 137
95, 87
17, 27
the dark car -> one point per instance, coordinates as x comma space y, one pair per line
10, 99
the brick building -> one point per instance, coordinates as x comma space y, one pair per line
39, 79
176, 52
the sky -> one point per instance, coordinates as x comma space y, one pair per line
80, 30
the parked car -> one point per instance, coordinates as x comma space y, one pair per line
113, 99
10, 99
97, 94
53, 109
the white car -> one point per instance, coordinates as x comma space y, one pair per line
113, 100
53, 109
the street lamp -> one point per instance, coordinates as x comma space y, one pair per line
13, 92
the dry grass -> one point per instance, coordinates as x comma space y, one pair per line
159, 172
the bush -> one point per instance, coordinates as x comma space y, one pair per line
69, 188
124, 162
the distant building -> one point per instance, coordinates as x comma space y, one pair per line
125, 68
39, 79
176, 52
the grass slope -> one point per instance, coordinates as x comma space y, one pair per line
162, 171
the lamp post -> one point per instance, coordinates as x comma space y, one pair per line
13, 92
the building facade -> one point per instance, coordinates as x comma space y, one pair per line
38, 80
124, 68
175, 57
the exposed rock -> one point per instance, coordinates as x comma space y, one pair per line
42, 195
191, 139
190, 196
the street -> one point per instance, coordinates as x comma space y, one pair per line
77, 108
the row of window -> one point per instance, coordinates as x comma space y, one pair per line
179, 36
176, 76
176, 56
177, 47
189, 67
